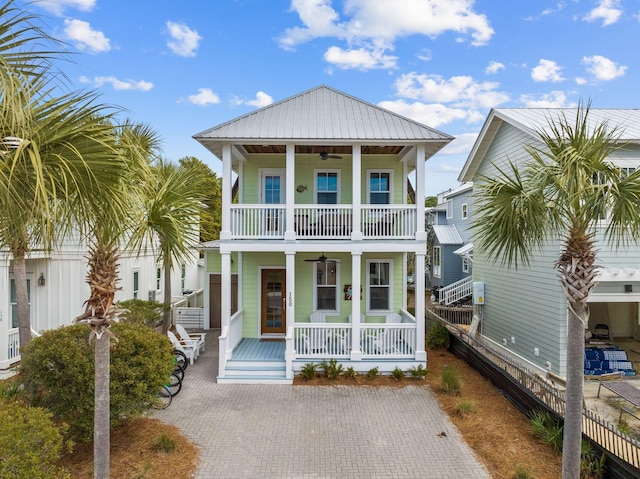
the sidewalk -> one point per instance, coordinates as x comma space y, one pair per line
273, 431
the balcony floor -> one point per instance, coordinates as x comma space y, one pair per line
254, 349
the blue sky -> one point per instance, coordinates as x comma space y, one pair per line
185, 66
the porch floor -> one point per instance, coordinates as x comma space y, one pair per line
254, 349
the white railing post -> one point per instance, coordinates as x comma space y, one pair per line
289, 353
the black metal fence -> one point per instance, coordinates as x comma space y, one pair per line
528, 392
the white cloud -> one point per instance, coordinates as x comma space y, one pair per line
608, 11
431, 114
554, 99
85, 37
117, 84
425, 55
359, 58
370, 27
547, 70
184, 41
205, 96
262, 99
57, 7
461, 91
602, 68
494, 67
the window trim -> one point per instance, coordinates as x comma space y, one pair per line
264, 172
316, 286
158, 278
368, 183
368, 308
315, 183
465, 264
464, 208
135, 289
437, 265
449, 205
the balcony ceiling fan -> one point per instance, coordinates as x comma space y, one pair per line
321, 259
325, 156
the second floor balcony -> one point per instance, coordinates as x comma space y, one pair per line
269, 221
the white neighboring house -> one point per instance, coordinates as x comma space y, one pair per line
58, 289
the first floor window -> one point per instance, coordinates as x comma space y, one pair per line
327, 286
136, 284
379, 285
158, 277
465, 264
437, 268
183, 276
14, 301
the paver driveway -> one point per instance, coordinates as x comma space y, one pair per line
273, 431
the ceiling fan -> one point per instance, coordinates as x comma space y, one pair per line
325, 156
321, 259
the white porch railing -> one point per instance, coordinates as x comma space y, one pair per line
258, 221
388, 340
13, 350
230, 337
322, 340
456, 291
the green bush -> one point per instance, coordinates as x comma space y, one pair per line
350, 373
438, 336
372, 373
397, 373
140, 312
450, 380
547, 429
465, 406
58, 373
308, 371
30, 443
332, 369
418, 372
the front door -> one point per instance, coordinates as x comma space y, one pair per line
273, 317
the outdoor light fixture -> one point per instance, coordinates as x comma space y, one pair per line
41, 280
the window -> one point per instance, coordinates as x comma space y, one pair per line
14, 301
465, 212
379, 188
327, 286
437, 268
183, 276
379, 285
158, 278
449, 204
272, 189
465, 264
327, 187
136, 284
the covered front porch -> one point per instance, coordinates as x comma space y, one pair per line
362, 345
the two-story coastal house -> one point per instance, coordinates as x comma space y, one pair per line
449, 245
312, 257
525, 310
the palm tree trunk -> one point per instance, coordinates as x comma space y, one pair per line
572, 435
101, 413
166, 317
22, 298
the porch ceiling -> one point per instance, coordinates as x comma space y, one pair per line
317, 149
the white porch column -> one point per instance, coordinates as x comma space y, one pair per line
5, 316
418, 277
225, 290
356, 188
290, 309
421, 235
356, 262
290, 192
227, 186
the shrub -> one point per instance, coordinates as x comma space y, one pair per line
164, 443
140, 312
438, 336
521, 472
372, 373
450, 380
308, 371
418, 372
30, 443
58, 373
465, 406
350, 373
397, 374
547, 429
333, 369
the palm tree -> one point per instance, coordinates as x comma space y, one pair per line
563, 193
171, 204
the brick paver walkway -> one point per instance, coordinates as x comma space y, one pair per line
273, 431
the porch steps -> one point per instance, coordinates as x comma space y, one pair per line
254, 372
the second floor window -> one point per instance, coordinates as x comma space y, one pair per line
437, 263
465, 264
465, 211
449, 204
136, 284
158, 278
327, 187
379, 188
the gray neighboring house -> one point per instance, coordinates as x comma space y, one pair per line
525, 310
449, 244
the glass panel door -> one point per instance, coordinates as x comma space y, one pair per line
273, 317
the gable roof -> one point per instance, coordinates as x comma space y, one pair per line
322, 113
447, 234
533, 120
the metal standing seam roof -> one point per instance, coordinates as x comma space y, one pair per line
447, 234
533, 120
323, 113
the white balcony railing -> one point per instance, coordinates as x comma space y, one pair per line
323, 221
456, 291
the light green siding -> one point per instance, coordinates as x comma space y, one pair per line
214, 262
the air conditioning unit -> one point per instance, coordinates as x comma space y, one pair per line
152, 295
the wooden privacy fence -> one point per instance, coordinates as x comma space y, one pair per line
623, 451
